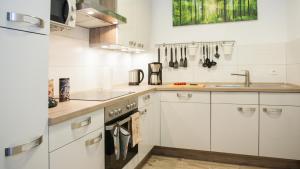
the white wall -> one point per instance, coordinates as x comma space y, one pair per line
260, 44
70, 56
293, 45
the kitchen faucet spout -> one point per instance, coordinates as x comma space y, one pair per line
247, 77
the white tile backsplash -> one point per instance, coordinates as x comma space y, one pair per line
266, 63
293, 61
87, 68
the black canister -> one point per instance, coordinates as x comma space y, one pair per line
64, 89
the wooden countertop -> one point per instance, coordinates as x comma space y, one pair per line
71, 109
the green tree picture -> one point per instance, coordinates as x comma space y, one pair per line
191, 12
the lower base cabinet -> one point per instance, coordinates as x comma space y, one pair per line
234, 128
87, 152
280, 132
146, 143
185, 125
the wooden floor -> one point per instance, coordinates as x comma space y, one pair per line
160, 162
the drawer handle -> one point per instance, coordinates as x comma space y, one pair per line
188, 96
94, 140
81, 124
147, 97
17, 17
273, 112
11, 151
143, 112
246, 110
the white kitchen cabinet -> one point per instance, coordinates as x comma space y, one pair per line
150, 123
234, 128
280, 132
36, 14
137, 28
24, 112
126, 32
86, 152
185, 125
66, 132
146, 144
155, 122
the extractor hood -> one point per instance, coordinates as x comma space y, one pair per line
92, 14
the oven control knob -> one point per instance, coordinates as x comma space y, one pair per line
128, 106
134, 104
119, 111
111, 114
131, 105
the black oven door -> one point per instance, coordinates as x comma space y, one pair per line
59, 11
113, 161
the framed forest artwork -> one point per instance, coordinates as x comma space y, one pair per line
192, 12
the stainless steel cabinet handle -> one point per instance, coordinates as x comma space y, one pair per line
11, 151
189, 95
273, 111
94, 140
147, 97
143, 112
246, 110
81, 124
17, 17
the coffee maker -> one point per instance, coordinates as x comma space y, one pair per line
155, 73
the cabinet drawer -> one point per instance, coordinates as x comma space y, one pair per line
64, 133
291, 99
199, 97
234, 97
145, 99
86, 152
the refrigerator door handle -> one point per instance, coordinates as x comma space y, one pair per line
11, 151
17, 17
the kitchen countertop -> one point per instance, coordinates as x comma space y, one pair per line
74, 108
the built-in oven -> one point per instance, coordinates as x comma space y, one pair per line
119, 148
63, 13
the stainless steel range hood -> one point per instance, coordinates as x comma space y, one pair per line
93, 14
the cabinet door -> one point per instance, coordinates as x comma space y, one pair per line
185, 125
155, 119
35, 13
280, 132
234, 128
24, 112
143, 22
146, 132
86, 152
127, 32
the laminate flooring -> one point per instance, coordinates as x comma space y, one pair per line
161, 162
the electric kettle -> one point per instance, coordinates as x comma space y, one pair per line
136, 76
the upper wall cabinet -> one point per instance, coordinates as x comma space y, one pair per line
29, 15
137, 30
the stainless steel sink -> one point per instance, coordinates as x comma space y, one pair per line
229, 86
253, 85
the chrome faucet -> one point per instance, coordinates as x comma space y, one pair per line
247, 77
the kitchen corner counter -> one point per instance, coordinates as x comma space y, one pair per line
71, 109
74, 108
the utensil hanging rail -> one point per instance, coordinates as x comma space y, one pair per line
194, 43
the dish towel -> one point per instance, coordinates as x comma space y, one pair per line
115, 133
124, 142
136, 131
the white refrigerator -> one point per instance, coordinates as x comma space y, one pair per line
24, 30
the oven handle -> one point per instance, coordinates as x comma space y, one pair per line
110, 127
